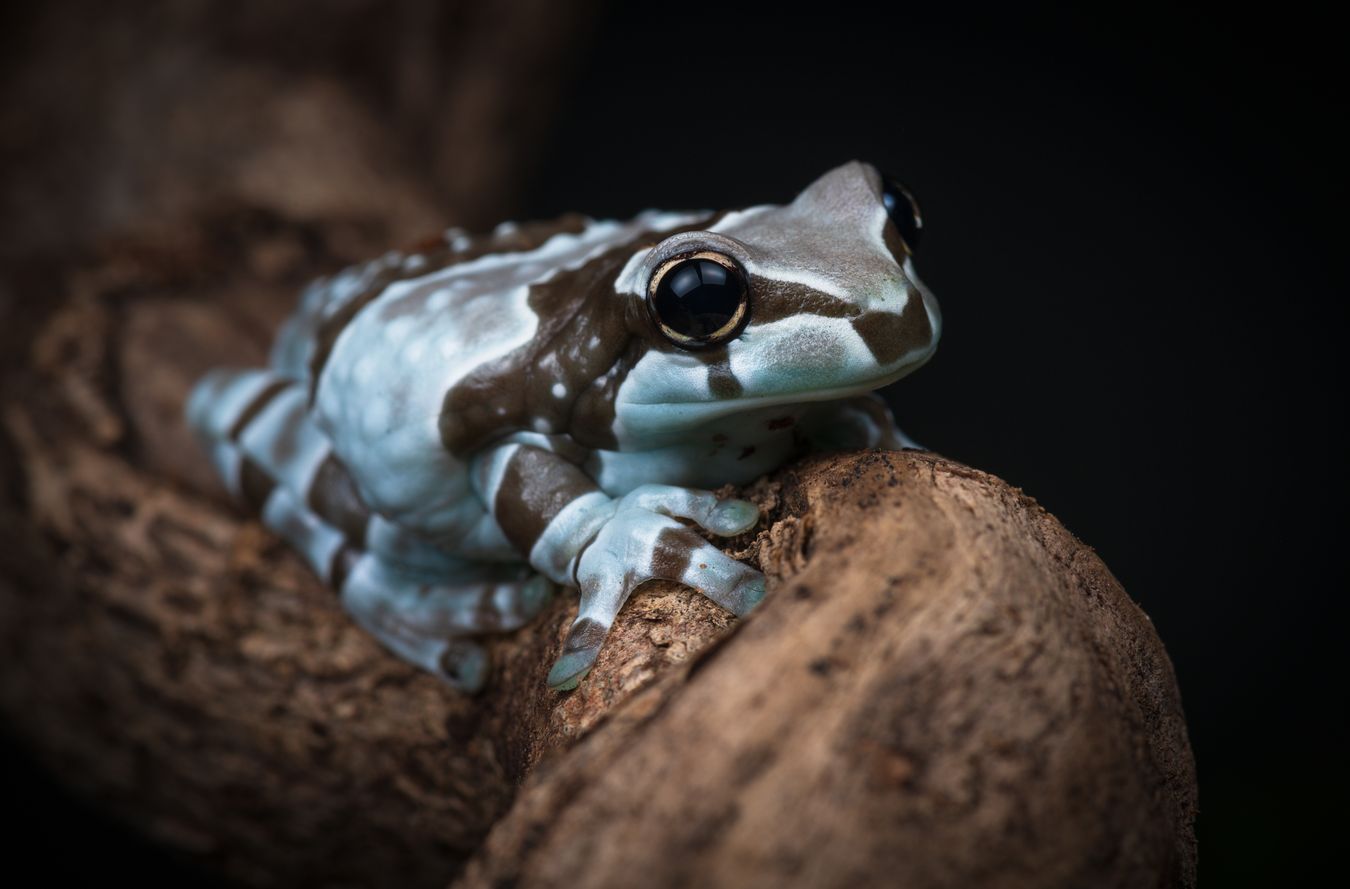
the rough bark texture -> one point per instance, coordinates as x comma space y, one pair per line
943, 688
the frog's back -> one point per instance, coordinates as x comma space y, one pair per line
383, 343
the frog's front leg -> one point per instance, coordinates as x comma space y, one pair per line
579, 536
851, 424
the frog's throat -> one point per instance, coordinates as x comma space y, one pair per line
646, 417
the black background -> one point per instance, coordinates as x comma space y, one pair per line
1132, 222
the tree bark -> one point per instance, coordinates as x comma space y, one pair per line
943, 686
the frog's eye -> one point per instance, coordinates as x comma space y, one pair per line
699, 299
903, 210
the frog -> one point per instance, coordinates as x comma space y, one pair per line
451, 434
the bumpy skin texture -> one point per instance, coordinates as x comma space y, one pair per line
446, 435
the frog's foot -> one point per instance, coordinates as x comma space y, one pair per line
425, 619
642, 541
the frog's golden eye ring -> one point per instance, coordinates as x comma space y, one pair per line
903, 210
699, 299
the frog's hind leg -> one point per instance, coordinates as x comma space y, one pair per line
416, 599
424, 617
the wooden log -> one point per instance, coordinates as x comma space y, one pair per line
943, 687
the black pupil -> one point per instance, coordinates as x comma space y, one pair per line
697, 297
903, 210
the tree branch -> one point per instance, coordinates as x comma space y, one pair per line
943, 687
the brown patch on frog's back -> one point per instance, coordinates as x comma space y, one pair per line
437, 257
889, 335
780, 422
521, 238
330, 328
592, 419
582, 333
588, 339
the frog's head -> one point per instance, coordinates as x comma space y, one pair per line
774, 305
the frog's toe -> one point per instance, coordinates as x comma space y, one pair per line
731, 517
749, 594
579, 653
741, 594
685, 557
464, 665
570, 669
